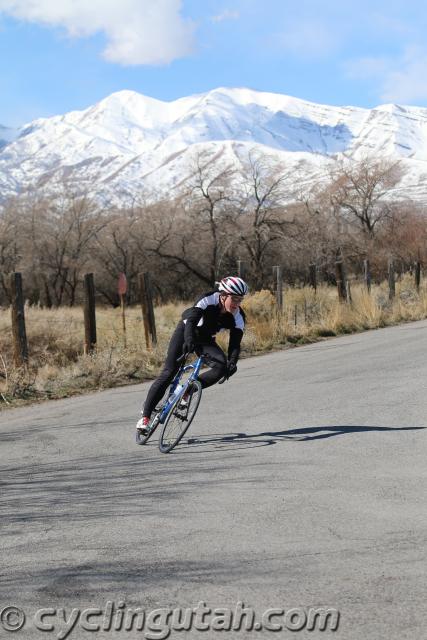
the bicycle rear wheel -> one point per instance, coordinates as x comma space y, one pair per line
178, 419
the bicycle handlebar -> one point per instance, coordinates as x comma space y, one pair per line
185, 355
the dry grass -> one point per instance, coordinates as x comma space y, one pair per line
58, 368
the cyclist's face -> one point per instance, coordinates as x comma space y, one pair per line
232, 303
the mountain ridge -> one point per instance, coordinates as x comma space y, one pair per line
128, 143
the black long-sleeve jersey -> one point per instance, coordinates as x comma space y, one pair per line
205, 319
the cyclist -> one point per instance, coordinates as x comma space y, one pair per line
213, 312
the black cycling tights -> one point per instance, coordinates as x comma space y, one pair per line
218, 364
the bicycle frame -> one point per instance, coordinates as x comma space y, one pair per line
196, 366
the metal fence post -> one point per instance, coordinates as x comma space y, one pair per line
391, 280
418, 275
240, 268
278, 285
367, 274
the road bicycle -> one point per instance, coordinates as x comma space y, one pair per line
176, 414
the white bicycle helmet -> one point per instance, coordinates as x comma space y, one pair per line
233, 285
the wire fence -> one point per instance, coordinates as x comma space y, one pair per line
293, 308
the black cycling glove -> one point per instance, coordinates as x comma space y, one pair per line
231, 368
189, 345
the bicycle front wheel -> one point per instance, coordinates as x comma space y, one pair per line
179, 418
142, 439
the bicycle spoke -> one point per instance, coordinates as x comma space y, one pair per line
179, 419
142, 439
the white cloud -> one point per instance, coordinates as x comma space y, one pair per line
400, 79
406, 82
363, 68
308, 39
384, 24
137, 31
228, 14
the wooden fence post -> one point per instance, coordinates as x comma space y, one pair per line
391, 280
20, 347
340, 278
89, 313
278, 285
418, 275
367, 274
313, 276
147, 310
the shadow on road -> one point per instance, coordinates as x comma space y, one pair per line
99, 487
303, 434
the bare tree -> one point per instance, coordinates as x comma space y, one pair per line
61, 232
360, 190
10, 249
193, 232
264, 219
405, 235
119, 248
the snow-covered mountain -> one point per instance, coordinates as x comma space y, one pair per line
7, 135
128, 145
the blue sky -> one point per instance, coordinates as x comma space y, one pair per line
61, 55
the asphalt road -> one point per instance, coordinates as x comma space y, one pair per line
302, 485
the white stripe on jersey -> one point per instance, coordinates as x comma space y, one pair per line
214, 300
199, 324
208, 300
238, 319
